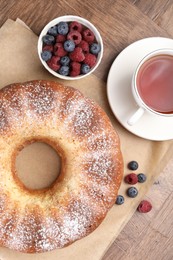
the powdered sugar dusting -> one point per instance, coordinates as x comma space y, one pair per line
44, 233
27, 100
99, 165
30, 228
3, 117
102, 141
7, 221
3, 201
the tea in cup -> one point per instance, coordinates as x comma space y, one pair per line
152, 85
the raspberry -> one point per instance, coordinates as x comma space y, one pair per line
60, 38
74, 36
75, 68
59, 50
88, 36
53, 63
90, 59
144, 207
55, 59
48, 48
77, 55
75, 26
74, 73
84, 45
131, 178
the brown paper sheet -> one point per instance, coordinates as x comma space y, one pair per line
19, 62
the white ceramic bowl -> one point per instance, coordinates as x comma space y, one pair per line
70, 18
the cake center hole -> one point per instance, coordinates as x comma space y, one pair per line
38, 166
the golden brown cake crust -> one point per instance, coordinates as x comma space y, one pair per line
92, 166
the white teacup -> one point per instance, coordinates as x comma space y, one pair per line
152, 85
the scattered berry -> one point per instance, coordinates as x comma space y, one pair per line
133, 165
53, 30
60, 38
144, 207
119, 200
48, 39
53, 63
63, 28
59, 50
132, 192
75, 69
64, 70
131, 178
75, 26
95, 48
65, 60
46, 55
85, 68
48, 48
85, 46
90, 59
77, 55
88, 35
74, 36
69, 45
141, 177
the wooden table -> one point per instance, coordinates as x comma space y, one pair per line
120, 22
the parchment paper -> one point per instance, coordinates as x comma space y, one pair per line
19, 62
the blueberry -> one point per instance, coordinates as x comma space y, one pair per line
65, 60
48, 39
133, 165
119, 200
132, 192
141, 177
46, 55
69, 45
85, 68
53, 30
63, 28
64, 70
95, 48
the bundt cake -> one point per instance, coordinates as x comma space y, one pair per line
92, 166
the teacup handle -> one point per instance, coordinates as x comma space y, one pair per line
136, 116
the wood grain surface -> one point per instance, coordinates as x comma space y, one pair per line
120, 22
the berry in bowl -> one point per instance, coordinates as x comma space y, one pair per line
70, 47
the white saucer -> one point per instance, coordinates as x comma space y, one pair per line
120, 98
